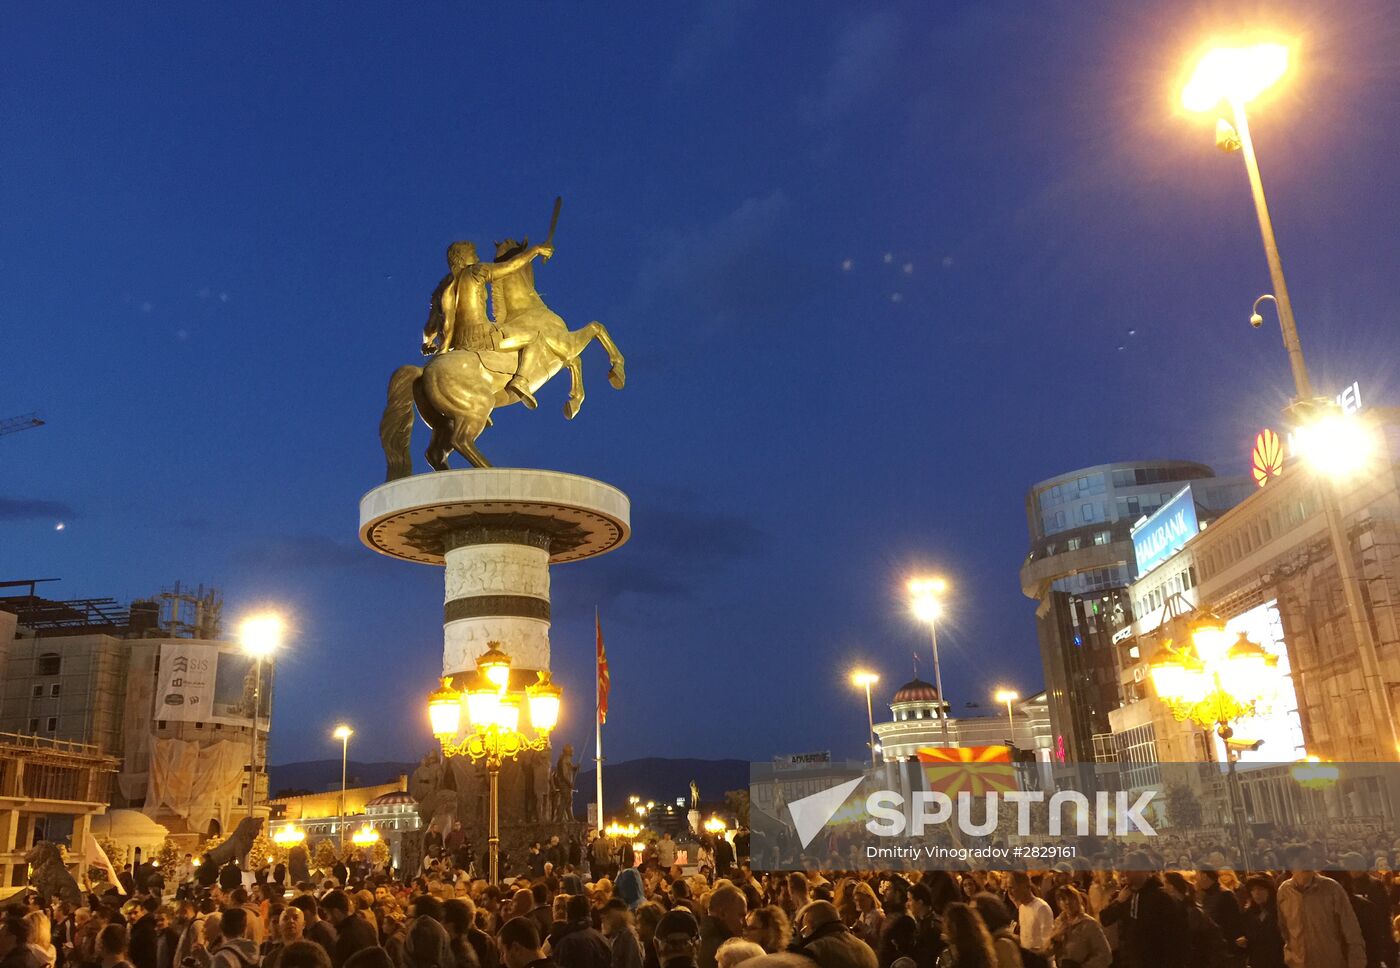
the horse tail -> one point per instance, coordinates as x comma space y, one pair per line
396, 426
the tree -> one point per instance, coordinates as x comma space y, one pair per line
1183, 808
324, 855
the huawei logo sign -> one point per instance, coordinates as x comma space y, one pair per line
1268, 456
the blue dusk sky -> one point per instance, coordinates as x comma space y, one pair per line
877, 268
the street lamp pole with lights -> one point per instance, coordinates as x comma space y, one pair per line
867, 679
928, 607
493, 712
259, 635
343, 733
1008, 696
1213, 682
1231, 77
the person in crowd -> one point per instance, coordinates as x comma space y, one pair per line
677, 939
870, 917
1260, 938
520, 944
725, 920
290, 928
579, 944
822, 937
41, 938
618, 928
1316, 919
112, 946
967, 943
237, 949
1035, 919
769, 927
305, 954
427, 945
351, 931
15, 951
648, 916
318, 930
922, 907
144, 936
1204, 942
999, 923
1223, 909
1151, 925
735, 951
471, 946
1373, 921
1077, 938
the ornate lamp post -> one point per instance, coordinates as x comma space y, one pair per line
493, 714
1213, 682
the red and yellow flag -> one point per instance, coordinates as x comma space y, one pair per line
604, 677
975, 769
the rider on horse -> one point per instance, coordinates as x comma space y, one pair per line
457, 318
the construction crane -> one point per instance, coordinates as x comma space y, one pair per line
25, 421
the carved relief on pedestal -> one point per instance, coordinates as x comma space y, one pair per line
497, 569
526, 639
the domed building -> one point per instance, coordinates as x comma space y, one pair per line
919, 717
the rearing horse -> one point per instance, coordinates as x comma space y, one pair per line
457, 390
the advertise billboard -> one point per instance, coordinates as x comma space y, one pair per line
203, 682
1165, 532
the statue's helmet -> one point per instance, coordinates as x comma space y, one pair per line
461, 254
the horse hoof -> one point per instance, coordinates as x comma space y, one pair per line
571, 409
617, 376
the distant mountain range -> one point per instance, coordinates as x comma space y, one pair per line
653, 778
661, 779
318, 776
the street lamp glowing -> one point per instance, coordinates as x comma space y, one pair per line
1234, 74
544, 698
343, 732
1006, 695
260, 635
1335, 444
924, 596
445, 712
494, 666
862, 679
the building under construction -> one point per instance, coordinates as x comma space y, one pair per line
151, 684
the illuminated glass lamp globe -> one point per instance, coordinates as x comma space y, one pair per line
445, 711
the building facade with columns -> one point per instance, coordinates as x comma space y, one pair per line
918, 719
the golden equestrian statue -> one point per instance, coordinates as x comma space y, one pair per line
477, 363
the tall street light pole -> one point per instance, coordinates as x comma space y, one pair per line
259, 635
1232, 77
343, 733
1008, 696
868, 679
928, 607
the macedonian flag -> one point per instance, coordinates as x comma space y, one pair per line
977, 770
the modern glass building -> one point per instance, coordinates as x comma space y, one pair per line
1079, 566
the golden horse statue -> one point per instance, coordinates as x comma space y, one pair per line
466, 379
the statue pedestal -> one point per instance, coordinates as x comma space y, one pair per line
494, 532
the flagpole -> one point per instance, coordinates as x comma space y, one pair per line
598, 719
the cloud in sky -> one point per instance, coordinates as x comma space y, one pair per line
863, 54
33, 509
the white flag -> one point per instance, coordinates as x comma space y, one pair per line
95, 856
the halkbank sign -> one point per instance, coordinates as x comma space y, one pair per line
1165, 532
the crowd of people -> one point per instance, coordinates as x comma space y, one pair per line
594, 910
